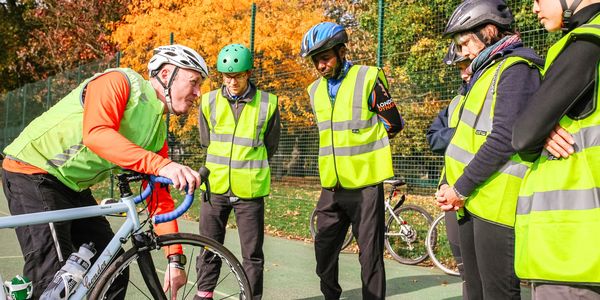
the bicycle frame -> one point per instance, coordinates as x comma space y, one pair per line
131, 225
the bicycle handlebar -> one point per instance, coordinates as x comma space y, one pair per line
181, 209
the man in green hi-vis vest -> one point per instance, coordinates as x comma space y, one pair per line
240, 125
356, 117
113, 120
557, 229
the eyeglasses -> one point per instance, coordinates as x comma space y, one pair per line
234, 76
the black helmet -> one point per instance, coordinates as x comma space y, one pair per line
452, 57
473, 13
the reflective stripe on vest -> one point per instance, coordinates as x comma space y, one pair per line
354, 149
454, 110
66, 158
237, 156
494, 200
557, 229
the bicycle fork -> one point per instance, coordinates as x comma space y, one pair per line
406, 231
144, 243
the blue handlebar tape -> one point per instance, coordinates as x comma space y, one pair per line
170, 216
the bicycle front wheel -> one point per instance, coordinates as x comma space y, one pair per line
313, 230
406, 232
231, 284
438, 247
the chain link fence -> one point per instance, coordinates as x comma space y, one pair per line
419, 83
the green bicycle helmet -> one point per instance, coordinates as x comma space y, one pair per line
234, 58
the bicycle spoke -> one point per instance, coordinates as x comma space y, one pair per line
406, 234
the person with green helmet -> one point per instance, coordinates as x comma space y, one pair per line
240, 126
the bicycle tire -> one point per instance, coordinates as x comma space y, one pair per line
406, 242
187, 241
313, 230
438, 247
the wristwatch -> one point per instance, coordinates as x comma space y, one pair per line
459, 195
179, 259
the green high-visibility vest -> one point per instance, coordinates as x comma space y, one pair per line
354, 149
494, 200
557, 231
454, 109
237, 156
54, 141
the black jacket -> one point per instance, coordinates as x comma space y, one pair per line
567, 89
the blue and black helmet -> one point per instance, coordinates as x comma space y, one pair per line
321, 37
452, 56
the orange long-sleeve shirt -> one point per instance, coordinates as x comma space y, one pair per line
104, 104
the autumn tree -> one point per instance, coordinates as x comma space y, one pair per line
42, 38
209, 25
12, 37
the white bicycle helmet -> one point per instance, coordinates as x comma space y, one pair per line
179, 56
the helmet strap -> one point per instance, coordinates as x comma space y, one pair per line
341, 62
167, 88
567, 13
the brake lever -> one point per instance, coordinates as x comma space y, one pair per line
204, 173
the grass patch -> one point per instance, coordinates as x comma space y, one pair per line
287, 209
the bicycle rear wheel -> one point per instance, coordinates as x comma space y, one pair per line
232, 282
406, 232
313, 230
438, 247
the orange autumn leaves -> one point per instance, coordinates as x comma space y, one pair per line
209, 25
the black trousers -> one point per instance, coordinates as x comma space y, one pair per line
364, 209
250, 219
488, 256
454, 239
43, 192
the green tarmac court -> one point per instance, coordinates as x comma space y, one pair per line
290, 269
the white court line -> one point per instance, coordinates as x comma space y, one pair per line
10, 257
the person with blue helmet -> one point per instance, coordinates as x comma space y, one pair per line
356, 117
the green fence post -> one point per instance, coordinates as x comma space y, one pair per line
49, 92
78, 73
24, 106
6, 104
252, 26
118, 59
380, 35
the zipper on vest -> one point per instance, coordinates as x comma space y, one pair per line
337, 179
233, 138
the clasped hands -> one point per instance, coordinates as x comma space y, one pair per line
447, 199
